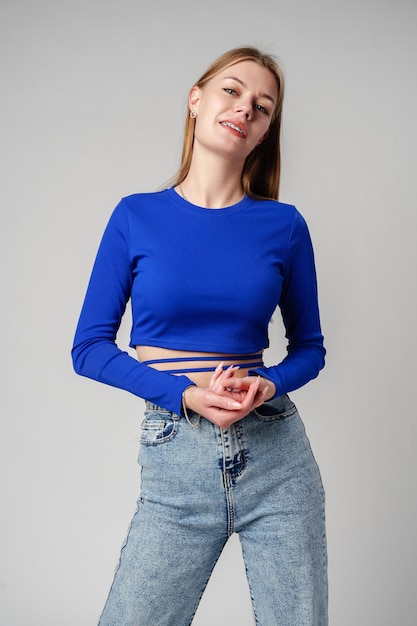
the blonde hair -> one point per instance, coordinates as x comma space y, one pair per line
262, 168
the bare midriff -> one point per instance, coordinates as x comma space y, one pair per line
181, 362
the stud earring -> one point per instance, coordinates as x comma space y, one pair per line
193, 114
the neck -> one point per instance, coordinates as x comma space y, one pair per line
214, 185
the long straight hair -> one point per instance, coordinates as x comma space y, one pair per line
262, 168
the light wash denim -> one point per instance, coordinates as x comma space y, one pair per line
200, 484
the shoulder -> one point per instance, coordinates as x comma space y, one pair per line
140, 201
281, 211
138, 206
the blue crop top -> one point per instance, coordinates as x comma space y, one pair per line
205, 280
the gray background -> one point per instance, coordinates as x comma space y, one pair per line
92, 109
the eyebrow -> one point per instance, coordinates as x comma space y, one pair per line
262, 95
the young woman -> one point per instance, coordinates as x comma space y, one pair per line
206, 262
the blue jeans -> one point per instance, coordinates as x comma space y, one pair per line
200, 484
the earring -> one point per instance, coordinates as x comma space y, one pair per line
193, 114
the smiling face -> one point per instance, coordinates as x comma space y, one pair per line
234, 109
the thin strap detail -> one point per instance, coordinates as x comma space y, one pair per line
232, 357
185, 370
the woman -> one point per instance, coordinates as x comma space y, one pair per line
205, 263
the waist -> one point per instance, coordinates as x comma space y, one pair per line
198, 366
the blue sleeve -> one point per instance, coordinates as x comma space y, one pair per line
300, 313
95, 353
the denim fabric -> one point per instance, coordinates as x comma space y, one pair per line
200, 484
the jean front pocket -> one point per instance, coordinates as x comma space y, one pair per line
158, 427
280, 408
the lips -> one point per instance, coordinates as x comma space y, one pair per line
237, 127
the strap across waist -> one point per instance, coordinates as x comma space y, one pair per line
246, 360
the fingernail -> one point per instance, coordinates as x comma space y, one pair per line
236, 405
220, 366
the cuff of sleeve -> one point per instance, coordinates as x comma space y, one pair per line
265, 373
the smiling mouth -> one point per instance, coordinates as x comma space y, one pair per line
238, 129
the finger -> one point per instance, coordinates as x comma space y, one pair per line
229, 386
260, 397
224, 419
220, 381
226, 403
216, 375
230, 371
241, 383
228, 376
252, 391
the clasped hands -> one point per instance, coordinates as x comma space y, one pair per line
228, 398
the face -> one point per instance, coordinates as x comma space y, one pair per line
234, 109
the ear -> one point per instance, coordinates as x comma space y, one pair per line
194, 98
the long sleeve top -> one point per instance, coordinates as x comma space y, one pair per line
205, 280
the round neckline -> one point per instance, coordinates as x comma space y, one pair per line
195, 208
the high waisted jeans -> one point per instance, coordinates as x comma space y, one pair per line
200, 484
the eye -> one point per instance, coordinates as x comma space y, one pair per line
230, 91
261, 108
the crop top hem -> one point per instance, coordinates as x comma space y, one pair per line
221, 347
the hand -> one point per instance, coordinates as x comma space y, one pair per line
228, 398
227, 384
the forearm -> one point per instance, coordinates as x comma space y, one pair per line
297, 369
105, 362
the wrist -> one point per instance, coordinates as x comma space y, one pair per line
270, 388
184, 403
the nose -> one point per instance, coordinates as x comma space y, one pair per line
245, 107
